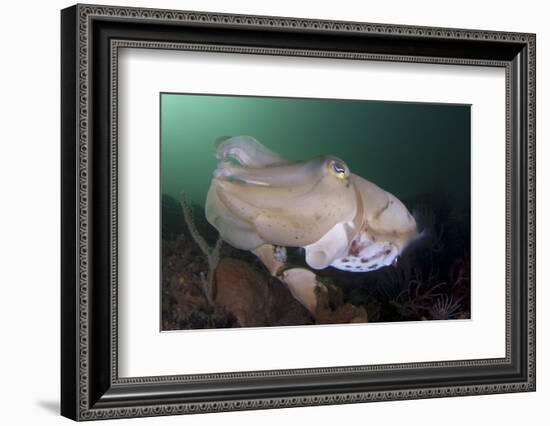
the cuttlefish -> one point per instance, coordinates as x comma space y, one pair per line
260, 201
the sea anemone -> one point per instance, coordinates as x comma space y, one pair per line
445, 308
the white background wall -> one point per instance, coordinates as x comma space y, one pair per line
29, 213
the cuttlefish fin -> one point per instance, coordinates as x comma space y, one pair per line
248, 152
228, 171
288, 174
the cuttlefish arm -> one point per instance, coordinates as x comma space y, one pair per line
301, 282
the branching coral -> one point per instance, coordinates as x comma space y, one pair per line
212, 254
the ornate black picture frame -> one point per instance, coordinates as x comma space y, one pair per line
90, 38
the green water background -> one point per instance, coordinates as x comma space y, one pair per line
413, 150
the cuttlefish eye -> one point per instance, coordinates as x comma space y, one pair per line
338, 169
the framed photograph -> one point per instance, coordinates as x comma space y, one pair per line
263, 212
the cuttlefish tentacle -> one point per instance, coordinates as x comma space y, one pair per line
258, 200
301, 282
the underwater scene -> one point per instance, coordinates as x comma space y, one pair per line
294, 211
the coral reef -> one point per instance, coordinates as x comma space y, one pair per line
207, 284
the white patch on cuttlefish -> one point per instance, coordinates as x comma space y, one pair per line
367, 255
